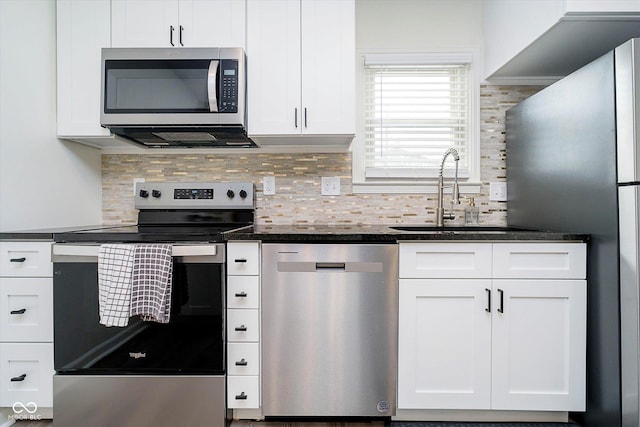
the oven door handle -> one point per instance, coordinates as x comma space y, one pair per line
89, 253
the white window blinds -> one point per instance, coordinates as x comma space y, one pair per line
416, 107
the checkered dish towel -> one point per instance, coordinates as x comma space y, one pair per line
151, 287
115, 266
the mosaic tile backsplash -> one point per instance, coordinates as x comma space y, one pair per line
298, 178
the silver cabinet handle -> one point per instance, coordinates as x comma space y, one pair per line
295, 117
305, 116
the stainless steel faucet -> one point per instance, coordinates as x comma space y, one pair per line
441, 215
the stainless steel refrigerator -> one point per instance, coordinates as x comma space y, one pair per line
573, 164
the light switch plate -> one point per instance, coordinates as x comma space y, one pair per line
498, 191
269, 185
330, 186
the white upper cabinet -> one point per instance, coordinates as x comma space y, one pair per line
83, 29
534, 41
301, 73
178, 23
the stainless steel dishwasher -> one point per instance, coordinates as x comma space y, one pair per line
329, 329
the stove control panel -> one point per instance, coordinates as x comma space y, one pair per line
194, 195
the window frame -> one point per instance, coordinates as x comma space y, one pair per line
469, 183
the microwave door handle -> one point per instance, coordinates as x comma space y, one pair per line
212, 87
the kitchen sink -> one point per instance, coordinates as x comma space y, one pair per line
453, 228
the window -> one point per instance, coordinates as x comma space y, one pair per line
415, 107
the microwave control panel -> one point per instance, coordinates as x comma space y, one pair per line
228, 86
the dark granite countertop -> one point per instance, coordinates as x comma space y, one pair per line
385, 233
303, 233
47, 233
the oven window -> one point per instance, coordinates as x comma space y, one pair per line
156, 86
192, 341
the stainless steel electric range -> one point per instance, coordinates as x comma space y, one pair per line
148, 373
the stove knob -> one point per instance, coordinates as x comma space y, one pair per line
144, 194
156, 193
243, 194
230, 194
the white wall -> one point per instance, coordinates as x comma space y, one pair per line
44, 182
437, 25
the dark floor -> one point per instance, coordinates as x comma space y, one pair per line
49, 423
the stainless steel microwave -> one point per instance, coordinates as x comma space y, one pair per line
175, 97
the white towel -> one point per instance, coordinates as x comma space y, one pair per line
151, 288
115, 266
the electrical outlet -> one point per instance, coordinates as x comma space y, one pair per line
330, 186
498, 191
136, 180
269, 185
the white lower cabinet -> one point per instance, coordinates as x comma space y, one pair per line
26, 375
493, 343
26, 326
538, 345
243, 327
444, 344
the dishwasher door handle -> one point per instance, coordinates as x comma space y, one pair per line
330, 265
313, 266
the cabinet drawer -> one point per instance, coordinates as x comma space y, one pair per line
243, 258
243, 392
539, 260
27, 307
242, 292
26, 374
243, 358
445, 260
25, 259
242, 325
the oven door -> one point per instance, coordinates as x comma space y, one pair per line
191, 343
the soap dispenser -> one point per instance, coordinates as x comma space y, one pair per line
471, 213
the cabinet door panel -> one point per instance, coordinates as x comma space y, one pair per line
445, 260
144, 23
25, 259
243, 392
243, 292
243, 325
83, 28
207, 23
539, 345
26, 305
444, 344
328, 67
243, 358
31, 368
243, 258
274, 85
539, 260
